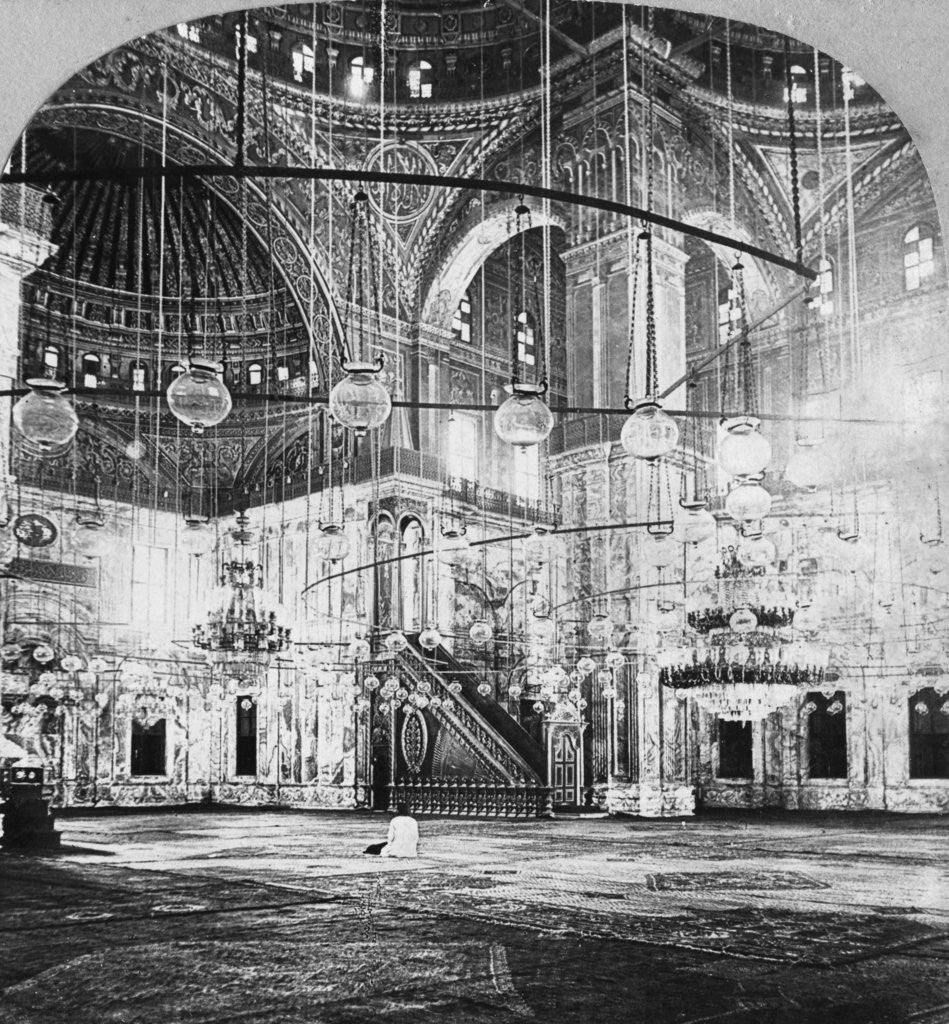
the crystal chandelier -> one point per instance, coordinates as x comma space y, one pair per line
242, 627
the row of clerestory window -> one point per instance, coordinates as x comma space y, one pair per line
253, 374
524, 324
361, 72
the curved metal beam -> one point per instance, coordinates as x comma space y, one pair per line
392, 178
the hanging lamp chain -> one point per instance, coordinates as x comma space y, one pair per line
241, 89
652, 369
792, 152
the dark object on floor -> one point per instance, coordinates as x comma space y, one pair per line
27, 823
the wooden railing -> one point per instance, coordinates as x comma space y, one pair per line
471, 798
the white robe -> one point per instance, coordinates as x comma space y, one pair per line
402, 840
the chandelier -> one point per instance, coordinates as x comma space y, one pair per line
729, 659
242, 628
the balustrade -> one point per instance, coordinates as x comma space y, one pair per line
467, 797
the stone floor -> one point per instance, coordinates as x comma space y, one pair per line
242, 916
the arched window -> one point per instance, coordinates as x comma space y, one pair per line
525, 472
52, 357
824, 299
420, 80
360, 76
251, 41
917, 256
138, 375
255, 374
826, 735
461, 322
245, 737
526, 350
928, 735
461, 455
729, 313
190, 32
411, 576
90, 367
303, 64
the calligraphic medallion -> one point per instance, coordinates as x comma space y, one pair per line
400, 202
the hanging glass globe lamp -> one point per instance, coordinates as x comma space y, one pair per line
541, 627
743, 451
615, 659
44, 417
89, 537
481, 632
810, 466
485, 689
524, 419
454, 547
429, 639
756, 550
332, 545
695, 525
542, 545
748, 501
396, 642
586, 665
600, 628
649, 433
660, 551
360, 401
198, 397
197, 537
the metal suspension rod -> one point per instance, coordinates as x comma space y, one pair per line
392, 178
565, 410
735, 339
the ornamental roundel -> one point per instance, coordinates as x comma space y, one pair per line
400, 203
35, 531
414, 741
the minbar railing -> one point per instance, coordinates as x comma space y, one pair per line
471, 798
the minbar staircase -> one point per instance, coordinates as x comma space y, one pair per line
508, 777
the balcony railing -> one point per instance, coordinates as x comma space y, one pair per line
584, 432
420, 466
393, 462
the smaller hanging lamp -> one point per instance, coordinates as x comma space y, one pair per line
360, 402
332, 545
648, 433
197, 536
524, 419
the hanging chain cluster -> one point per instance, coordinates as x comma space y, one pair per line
361, 282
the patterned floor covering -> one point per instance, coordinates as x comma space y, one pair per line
277, 917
